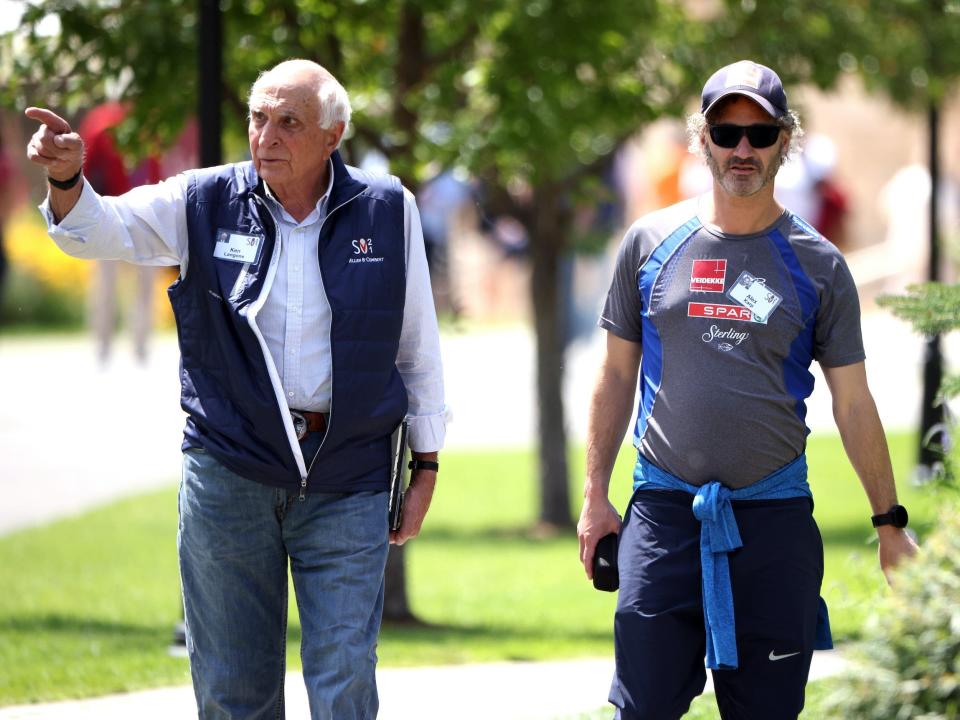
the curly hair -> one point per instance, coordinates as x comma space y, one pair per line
697, 126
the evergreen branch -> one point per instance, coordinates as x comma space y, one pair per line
931, 308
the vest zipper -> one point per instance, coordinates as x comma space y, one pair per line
268, 359
329, 339
275, 379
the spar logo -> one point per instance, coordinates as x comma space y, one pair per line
719, 312
363, 252
708, 275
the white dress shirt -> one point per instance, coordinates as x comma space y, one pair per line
148, 226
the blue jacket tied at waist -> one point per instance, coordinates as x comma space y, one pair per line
719, 535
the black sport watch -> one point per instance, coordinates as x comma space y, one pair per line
896, 516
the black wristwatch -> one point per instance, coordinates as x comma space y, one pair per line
896, 516
423, 465
66, 184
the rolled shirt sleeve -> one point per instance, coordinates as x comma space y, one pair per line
146, 226
418, 357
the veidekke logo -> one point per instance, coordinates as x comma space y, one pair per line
708, 275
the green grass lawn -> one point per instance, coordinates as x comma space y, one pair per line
89, 603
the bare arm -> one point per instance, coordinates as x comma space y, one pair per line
416, 501
857, 419
59, 150
610, 411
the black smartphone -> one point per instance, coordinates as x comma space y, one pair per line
606, 573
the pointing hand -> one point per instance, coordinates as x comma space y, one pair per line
54, 145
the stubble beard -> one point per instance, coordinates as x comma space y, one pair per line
745, 186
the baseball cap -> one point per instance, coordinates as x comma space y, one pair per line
755, 81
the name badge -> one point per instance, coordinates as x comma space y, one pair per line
237, 247
752, 292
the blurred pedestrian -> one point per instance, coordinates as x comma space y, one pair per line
13, 192
7, 197
105, 170
307, 333
441, 200
808, 187
722, 303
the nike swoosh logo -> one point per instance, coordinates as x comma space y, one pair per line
774, 657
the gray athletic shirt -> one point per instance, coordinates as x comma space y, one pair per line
729, 325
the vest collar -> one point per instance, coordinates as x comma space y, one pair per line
345, 186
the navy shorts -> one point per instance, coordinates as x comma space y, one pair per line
658, 628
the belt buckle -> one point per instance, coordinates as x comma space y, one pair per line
300, 425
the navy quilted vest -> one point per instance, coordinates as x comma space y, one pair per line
230, 390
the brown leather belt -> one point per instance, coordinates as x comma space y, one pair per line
305, 422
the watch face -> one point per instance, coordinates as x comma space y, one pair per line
900, 517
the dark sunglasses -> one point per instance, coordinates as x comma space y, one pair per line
759, 136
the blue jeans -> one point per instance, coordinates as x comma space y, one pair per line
235, 538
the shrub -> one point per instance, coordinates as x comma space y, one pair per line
45, 287
911, 657
48, 289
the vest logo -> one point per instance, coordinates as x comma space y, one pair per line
363, 252
720, 312
708, 275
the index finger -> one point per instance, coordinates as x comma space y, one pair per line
587, 552
49, 118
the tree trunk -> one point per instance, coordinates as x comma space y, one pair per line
396, 607
550, 223
409, 71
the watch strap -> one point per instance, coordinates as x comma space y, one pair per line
897, 516
66, 184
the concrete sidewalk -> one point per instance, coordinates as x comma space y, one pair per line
501, 691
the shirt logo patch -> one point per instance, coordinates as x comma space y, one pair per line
708, 275
733, 336
363, 252
720, 312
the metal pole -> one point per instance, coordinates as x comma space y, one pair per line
931, 414
210, 66
210, 72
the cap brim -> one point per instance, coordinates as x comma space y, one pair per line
761, 101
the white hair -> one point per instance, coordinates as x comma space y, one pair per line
333, 98
334, 103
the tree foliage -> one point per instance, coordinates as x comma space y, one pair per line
905, 49
530, 96
932, 308
912, 653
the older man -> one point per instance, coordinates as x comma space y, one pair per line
307, 334
727, 299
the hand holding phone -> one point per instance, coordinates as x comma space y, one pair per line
397, 475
